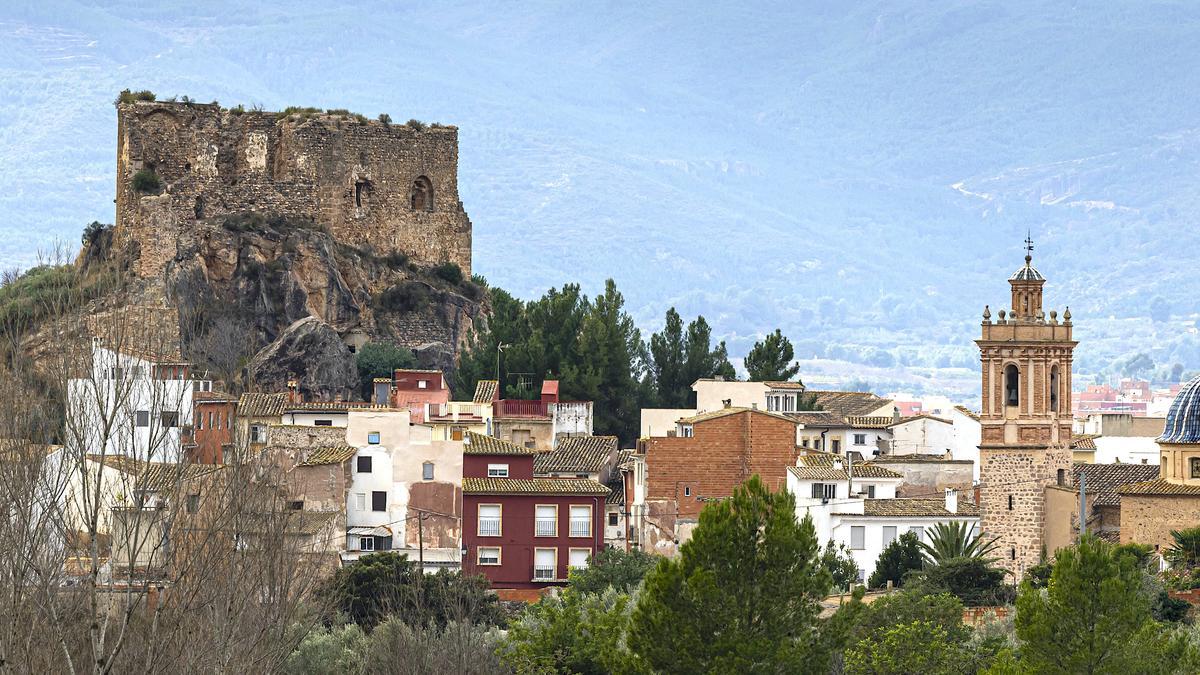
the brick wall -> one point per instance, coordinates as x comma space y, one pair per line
355, 178
684, 474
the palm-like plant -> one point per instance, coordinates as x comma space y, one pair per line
1185, 552
956, 540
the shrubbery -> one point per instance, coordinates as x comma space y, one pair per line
146, 181
448, 272
127, 96
409, 296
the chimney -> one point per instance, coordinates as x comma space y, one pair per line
952, 500
294, 391
895, 414
754, 406
727, 402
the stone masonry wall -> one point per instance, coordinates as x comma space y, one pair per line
1023, 475
367, 182
1149, 519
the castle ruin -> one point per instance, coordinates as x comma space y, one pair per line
379, 187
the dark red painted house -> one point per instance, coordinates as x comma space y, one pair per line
523, 532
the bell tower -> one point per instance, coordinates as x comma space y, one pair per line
1025, 422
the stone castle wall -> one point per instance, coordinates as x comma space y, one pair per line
382, 187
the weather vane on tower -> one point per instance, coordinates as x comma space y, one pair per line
1028, 246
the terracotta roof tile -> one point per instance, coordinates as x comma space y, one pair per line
849, 402
1159, 487
778, 384
479, 444
967, 411
261, 405
532, 486
1083, 441
159, 477
328, 455
915, 508
818, 418
820, 466
616, 491
577, 453
485, 391
1105, 480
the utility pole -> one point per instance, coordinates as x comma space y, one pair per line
421, 540
1082, 505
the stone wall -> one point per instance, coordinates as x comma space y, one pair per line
1149, 519
1022, 475
374, 186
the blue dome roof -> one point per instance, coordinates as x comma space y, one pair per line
1183, 421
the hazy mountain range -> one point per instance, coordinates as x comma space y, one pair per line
860, 174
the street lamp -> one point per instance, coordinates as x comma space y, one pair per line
500, 347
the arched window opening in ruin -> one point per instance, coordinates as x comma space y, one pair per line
1054, 389
1195, 463
199, 207
1012, 385
361, 189
422, 194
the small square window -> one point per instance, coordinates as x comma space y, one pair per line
613, 519
489, 555
860, 439
169, 419
858, 538
360, 501
379, 500
193, 503
141, 418
297, 505
497, 471
373, 438
687, 491
366, 543
364, 465
422, 384
427, 471
322, 423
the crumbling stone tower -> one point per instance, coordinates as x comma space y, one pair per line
1026, 418
376, 186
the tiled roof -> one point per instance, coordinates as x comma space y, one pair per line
915, 508
820, 466
333, 406
874, 422
849, 402
479, 444
923, 416
776, 384
129, 465
159, 477
1105, 480
577, 453
329, 455
1027, 273
261, 405
616, 491
1159, 487
532, 486
213, 397
967, 411
625, 458
1111, 536
1083, 442
732, 410
309, 522
919, 459
485, 391
817, 418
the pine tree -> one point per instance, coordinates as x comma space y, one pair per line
743, 595
678, 359
771, 359
611, 355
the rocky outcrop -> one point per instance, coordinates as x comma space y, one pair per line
312, 353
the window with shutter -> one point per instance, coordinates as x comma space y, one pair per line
858, 537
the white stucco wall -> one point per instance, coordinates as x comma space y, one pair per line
657, 422
710, 394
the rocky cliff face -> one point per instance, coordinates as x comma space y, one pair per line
261, 299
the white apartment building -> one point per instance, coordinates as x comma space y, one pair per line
132, 406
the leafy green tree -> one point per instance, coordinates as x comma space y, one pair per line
909, 606
898, 558
972, 580
380, 585
611, 355
956, 540
771, 359
328, 651
743, 595
572, 633
837, 560
379, 359
1092, 618
917, 647
613, 568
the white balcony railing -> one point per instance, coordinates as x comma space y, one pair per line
543, 572
545, 527
489, 527
581, 528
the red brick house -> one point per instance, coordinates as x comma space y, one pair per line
212, 427
710, 455
523, 532
412, 389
